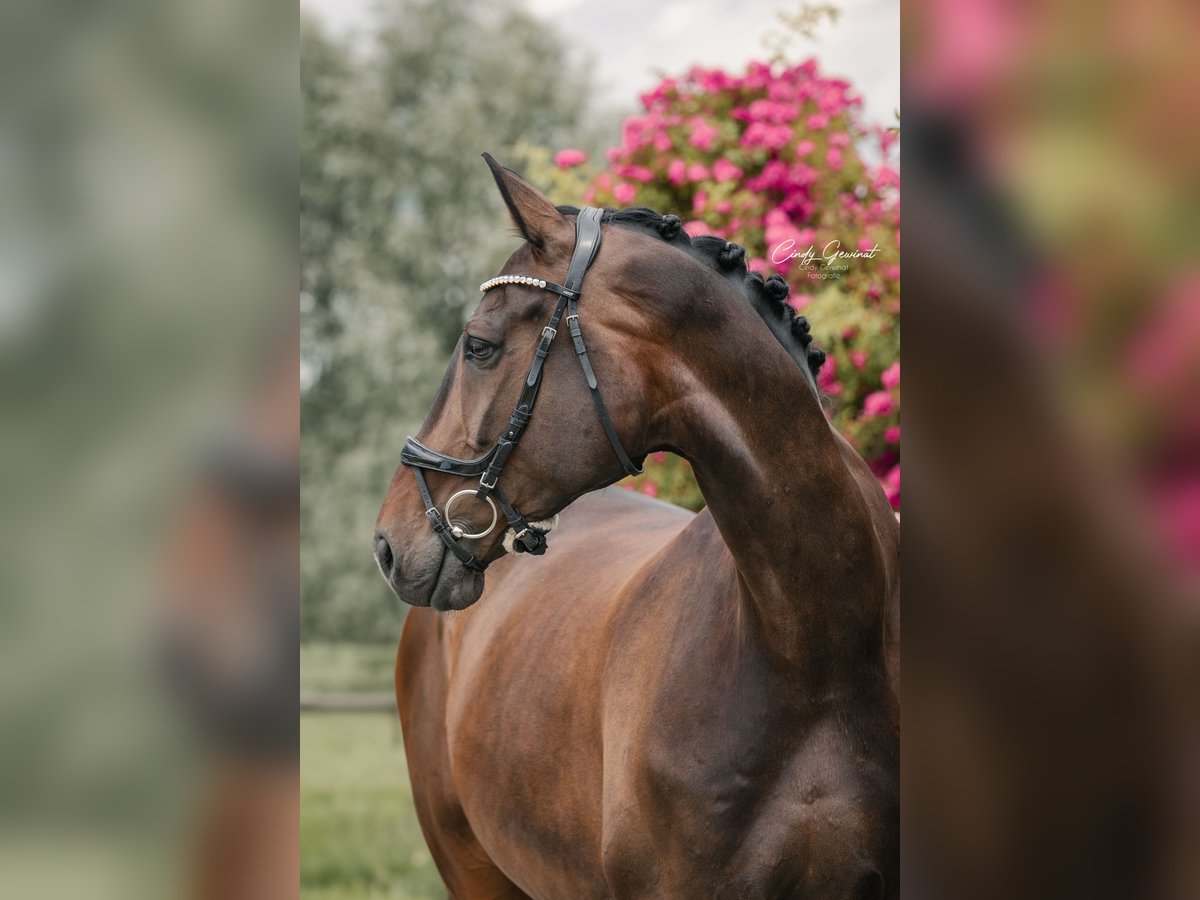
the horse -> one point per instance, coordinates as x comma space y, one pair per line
664, 703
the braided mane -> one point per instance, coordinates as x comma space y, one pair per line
768, 296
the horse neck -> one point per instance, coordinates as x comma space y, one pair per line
792, 500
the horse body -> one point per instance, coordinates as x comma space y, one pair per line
666, 704
548, 705
599, 787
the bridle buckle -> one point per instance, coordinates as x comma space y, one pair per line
549, 332
483, 482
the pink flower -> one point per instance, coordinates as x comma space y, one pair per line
817, 121
724, 207
878, 403
773, 111
773, 137
629, 486
697, 172
697, 228
633, 132
624, 193
758, 75
677, 171
659, 456
568, 159
859, 359
892, 434
650, 489
827, 377
702, 135
636, 173
665, 88
839, 139
714, 80
724, 170
700, 202
833, 159
804, 148
886, 177
891, 376
799, 301
891, 485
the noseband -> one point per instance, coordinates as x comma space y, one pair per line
529, 538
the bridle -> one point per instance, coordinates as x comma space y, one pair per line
529, 538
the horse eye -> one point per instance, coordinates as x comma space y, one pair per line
478, 349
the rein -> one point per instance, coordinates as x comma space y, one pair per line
529, 538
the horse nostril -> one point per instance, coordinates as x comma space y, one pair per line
383, 554
870, 886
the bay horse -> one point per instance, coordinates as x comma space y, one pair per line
665, 704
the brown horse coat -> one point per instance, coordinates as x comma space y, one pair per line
666, 704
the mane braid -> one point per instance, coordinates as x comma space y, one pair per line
767, 296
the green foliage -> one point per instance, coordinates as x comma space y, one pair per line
399, 219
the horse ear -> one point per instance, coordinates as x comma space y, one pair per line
547, 230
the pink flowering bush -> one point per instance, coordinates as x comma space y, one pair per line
778, 160
568, 159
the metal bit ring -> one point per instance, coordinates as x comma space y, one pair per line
457, 530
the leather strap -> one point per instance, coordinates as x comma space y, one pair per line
594, 389
528, 539
587, 245
442, 528
419, 456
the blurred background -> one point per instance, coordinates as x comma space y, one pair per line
761, 122
149, 520
1051, 740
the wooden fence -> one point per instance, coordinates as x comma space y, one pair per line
348, 703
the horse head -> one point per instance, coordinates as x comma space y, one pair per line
506, 359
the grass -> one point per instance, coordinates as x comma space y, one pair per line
359, 837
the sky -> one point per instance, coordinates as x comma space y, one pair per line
632, 42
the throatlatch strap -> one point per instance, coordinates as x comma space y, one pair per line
594, 389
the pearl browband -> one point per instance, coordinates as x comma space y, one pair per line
511, 279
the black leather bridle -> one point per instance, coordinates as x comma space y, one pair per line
528, 539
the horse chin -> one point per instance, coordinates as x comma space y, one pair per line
457, 587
